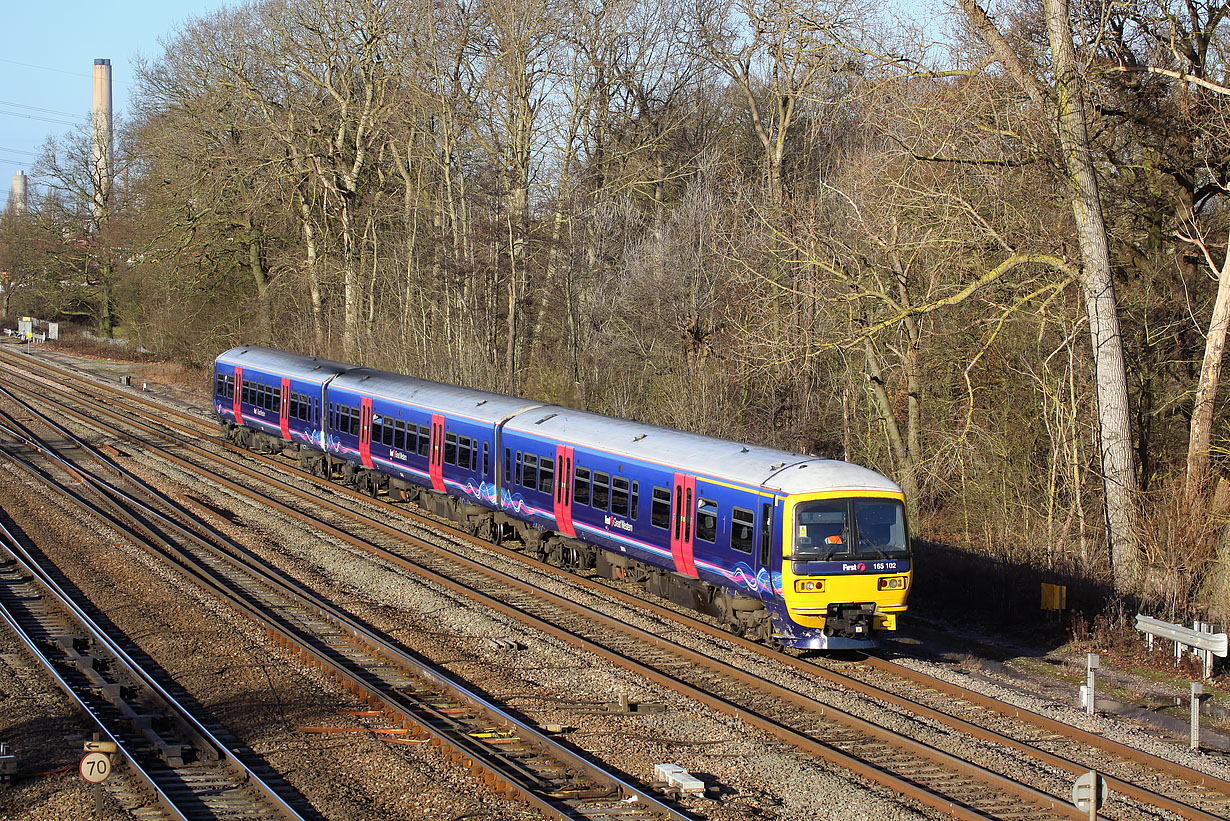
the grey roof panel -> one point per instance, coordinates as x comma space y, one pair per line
478, 405
752, 465
693, 453
299, 366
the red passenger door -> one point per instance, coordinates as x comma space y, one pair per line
563, 490
365, 431
284, 408
436, 453
238, 394
683, 524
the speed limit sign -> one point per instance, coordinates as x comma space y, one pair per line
95, 767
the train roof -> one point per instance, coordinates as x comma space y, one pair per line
704, 455
295, 365
481, 406
752, 465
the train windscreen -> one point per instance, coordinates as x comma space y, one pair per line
849, 528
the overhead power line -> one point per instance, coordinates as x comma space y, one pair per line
36, 108
37, 117
58, 70
46, 68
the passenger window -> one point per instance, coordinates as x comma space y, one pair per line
742, 526
464, 451
531, 471
354, 423
602, 490
450, 448
399, 435
580, 486
660, 508
546, 475
706, 520
619, 496
424, 440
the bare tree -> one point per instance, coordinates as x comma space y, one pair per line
1065, 98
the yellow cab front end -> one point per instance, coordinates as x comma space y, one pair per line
846, 568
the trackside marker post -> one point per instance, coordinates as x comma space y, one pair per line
95, 767
1089, 793
1091, 664
1197, 691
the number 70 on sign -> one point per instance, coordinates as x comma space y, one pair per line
95, 767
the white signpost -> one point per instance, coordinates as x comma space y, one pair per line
1089, 793
95, 767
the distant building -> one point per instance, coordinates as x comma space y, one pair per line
19, 197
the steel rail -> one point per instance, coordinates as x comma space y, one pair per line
397, 707
827, 752
1106, 745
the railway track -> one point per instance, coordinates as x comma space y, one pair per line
505, 753
949, 784
182, 765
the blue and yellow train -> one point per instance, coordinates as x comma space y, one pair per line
806, 552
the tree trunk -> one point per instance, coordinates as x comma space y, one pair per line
907, 467
1101, 305
1206, 388
1114, 419
351, 292
256, 265
313, 276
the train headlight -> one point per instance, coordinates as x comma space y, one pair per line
809, 586
892, 583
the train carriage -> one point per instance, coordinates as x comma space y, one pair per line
808, 552
421, 434
267, 399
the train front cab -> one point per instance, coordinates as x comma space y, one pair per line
848, 570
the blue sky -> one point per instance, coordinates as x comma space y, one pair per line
47, 63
